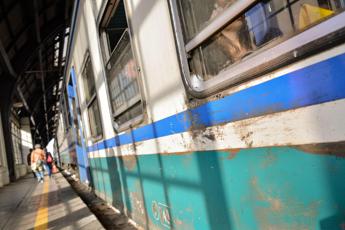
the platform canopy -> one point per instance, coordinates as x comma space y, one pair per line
33, 44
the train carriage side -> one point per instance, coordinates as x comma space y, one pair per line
208, 114
66, 157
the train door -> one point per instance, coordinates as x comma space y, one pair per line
77, 129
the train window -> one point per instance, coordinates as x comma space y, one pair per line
75, 120
91, 101
227, 40
121, 68
66, 114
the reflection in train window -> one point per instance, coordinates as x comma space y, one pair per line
91, 101
219, 33
121, 67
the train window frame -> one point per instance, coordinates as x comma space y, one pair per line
109, 9
65, 104
81, 123
267, 58
90, 100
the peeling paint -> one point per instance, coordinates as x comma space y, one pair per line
138, 212
129, 161
210, 136
275, 204
267, 188
244, 132
278, 211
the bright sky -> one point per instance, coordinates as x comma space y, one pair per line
50, 146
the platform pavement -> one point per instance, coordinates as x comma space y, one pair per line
26, 204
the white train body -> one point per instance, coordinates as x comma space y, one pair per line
241, 150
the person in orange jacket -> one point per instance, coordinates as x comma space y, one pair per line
37, 161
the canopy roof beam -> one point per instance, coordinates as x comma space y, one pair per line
38, 38
5, 61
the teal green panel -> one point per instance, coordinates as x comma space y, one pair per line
105, 171
97, 175
65, 157
263, 188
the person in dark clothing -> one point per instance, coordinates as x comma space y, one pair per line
49, 162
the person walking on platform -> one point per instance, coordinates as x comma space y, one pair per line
37, 162
49, 163
28, 161
45, 164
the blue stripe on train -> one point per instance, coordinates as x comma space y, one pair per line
317, 83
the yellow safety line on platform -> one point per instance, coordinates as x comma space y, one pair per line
42, 213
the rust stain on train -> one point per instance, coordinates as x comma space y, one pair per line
196, 102
280, 207
269, 159
129, 161
178, 153
179, 224
332, 149
232, 153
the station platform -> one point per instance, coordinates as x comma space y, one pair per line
27, 204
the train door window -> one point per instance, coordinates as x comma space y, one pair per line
66, 113
223, 42
75, 121
75, 114
121, 68
91, 101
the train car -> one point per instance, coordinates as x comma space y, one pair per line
211, 114
65, 141
70, 142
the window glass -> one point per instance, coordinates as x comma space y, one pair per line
75, 120
122, 70
122, 77
95, 119
89, 80
198, 13
262, 24
116, 26
128, 115
91, 101
66, 113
